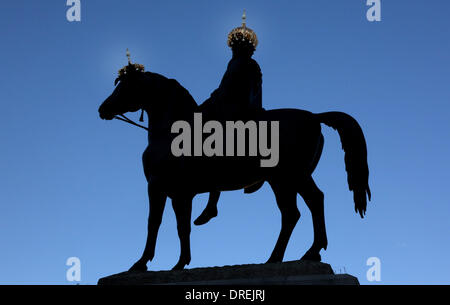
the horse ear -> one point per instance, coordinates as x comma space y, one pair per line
116, 81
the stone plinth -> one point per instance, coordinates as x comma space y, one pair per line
287, 273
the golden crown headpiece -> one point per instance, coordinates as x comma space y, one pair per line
130, 68
242, 33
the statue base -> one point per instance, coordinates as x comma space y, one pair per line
287, 273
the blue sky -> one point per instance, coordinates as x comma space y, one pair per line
72, 184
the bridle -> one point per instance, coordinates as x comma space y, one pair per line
123, 118
131, 68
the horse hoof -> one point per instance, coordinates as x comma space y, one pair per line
273, 261
138, 267
179, 266
315, 257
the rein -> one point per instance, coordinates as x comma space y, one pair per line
123, 118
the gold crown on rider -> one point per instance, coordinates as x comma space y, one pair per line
242, 33
130, 68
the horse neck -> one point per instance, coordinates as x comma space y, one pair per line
172, 103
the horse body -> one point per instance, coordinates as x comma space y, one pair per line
181, 178
299, 141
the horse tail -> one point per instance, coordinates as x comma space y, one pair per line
354, 146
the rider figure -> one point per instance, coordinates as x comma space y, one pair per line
239, 95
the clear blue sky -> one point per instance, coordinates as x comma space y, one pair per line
72, 184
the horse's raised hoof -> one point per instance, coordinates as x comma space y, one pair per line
310, 256
206, 216
138, 267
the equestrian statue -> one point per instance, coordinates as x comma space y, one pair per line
238, 98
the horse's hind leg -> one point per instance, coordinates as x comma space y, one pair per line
314, 199
286, 198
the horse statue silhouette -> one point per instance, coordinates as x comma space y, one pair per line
181, 178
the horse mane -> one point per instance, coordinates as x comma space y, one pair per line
181, 95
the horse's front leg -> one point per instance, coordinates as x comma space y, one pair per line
182, 205
157, 202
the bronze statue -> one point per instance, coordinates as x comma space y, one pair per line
181, 178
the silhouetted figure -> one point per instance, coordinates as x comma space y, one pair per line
181, 178
239, 95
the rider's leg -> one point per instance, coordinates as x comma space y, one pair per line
210, 211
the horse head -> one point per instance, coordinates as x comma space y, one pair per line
159, 96
131, 92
